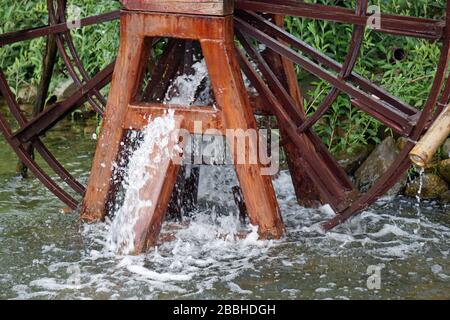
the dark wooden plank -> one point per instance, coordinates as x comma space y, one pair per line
202, 7
156, 191
391, 24
305, 190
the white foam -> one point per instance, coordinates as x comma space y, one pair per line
436, 268
389, 229
321, 290
52, 285
213, 256
158, 276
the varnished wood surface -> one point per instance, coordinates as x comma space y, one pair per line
201, 7
205, 118
232, 98
234, 112
305, 190
150, 24
126, 79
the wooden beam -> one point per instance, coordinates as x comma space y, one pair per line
156, 191
231, 96
150, 24
203, 7
128, 73
139, 113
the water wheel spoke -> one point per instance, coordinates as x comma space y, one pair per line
28, 136
292, 109
35, 168
334, 186
37, 143
84, 75
59, 169
48, 118
164, 71
278, 33
77, 80
32, 33
73, 62
346, 70
388, 114
391, 24
273, 81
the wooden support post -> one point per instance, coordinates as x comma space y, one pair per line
128, 72
231, 97
204, 7
305, 190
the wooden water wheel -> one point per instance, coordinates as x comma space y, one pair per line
316, 174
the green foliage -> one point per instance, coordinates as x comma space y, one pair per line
98, 43
342, 128
22, 62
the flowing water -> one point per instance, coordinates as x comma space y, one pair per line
156, 137
47, 254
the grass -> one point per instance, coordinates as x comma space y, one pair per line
343, 128
22, 62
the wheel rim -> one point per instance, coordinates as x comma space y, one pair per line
31, 129
327, 176
250, 27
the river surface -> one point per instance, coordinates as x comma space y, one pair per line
395, 250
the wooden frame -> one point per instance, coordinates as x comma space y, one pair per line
122, 112
203, 7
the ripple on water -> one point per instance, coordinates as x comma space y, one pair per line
47, 255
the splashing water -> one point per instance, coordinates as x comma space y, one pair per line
47, 255
182, 91
419, 192
197, 262
419, 199
156, 135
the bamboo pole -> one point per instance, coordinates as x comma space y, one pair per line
427, 146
